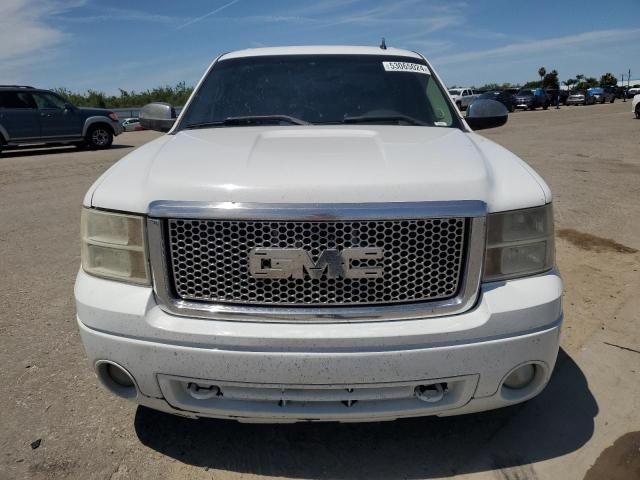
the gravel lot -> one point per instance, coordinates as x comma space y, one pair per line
56, 422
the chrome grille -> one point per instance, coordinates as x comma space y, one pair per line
423, 260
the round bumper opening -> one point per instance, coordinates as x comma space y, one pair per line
520, 377
524, 381
116, 379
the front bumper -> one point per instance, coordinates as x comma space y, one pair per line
343, 372
524, 103
117, 128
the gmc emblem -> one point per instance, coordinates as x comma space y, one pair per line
294, 262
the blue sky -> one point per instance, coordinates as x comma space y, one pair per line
111, 44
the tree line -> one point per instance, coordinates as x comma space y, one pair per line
175, 95
550, 80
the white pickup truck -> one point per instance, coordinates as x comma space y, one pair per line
320, 236
463, 97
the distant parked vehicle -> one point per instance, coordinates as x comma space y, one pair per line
505, 98
463, 97
532, 98
131, 124
581, 97
554, 93
621, 92
602, 94
635, 105
633, 91
32, 116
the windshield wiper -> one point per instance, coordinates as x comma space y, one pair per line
384, 118
250, 120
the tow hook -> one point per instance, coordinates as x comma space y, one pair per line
431, 393
200, 392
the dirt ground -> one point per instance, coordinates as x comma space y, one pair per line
57, 422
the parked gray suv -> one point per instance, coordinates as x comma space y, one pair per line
30, 116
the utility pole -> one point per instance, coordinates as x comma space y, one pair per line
624, 94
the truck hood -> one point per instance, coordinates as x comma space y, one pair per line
319, 164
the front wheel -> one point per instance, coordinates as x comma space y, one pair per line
638, 112
545, 106
99, 137
613, 99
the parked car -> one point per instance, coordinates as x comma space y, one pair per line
505, 98
463, 97
32, 116
132, 124
633, 91
621, 92
419, 281
581, 97
531, 98
635, 105
554, 94
602, 94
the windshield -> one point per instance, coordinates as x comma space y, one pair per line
319, 89
525, 92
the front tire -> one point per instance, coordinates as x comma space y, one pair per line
638, 112
99, 137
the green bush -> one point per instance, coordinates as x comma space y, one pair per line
176, 96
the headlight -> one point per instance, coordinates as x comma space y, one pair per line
114, 247
519, 243
113, 116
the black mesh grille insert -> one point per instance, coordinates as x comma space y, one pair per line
423, 260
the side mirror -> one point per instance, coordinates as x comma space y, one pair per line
483, 114
158, 116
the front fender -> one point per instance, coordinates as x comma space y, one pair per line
99, 119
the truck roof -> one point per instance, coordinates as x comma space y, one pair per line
320, 50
